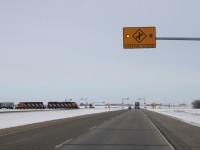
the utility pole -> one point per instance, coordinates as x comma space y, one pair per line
123, 101
86, 101
144, 101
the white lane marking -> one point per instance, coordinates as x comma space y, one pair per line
92, 128
63, 143
160, 133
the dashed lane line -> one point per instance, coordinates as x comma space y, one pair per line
63, 143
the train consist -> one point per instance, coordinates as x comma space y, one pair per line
70, 105
30, 105
8, 105
39, 105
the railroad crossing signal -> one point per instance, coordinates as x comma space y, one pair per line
139, 37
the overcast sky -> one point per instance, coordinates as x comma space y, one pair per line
57, 49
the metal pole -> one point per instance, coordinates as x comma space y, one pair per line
144, 101
178, 38
85, 101
123, 101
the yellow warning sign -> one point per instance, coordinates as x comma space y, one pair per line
139, 37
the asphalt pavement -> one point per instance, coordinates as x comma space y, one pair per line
118, 130
131, 130
47, 135
181, 135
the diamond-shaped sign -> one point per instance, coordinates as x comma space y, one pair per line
139, 36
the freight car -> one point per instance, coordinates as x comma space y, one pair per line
69, 105
30, 105
8, 105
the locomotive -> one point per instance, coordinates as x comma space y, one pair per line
39, 105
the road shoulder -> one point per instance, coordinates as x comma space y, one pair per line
181, 135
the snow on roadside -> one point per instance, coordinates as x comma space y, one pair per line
191, 116
17, 119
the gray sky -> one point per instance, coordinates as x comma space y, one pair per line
57, 49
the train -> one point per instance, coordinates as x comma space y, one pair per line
39, 105
69, 105
8, 105
30, 105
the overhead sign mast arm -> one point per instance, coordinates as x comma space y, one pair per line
178, 38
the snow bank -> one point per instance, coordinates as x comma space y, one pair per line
191, 116
22, 118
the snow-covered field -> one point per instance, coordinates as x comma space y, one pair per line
191, 116
13, 119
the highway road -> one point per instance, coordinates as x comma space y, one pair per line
131, 130
117, 130
45, 136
